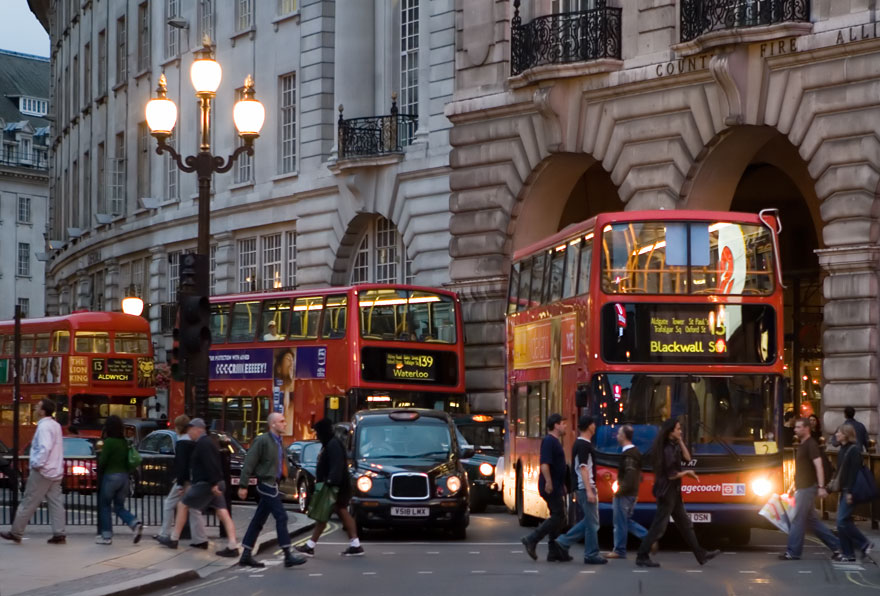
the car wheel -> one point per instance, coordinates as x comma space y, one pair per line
478, 504
302, 495
459, 532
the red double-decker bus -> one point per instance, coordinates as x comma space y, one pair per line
639, 316
328, 353
92, 364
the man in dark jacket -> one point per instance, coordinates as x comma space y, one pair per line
206, 473
265, 460
629, 477
182, 452
849, 415
332, 468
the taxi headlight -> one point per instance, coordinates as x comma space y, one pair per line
761, 487
79, 470
453, 483
487, 469
364, 484
614, 486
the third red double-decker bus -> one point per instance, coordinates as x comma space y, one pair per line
640, 316
92, 364
328, 353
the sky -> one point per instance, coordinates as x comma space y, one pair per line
22, 31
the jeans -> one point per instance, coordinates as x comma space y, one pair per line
623, 523
851, 537
553, 524
38, 487
587, 528
668, 505
114, 490
804, 514
270, 503
196, 519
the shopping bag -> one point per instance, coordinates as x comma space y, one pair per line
864, 489
776, 512
133, 459
323, 502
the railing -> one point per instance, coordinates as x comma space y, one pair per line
564, 38
699, 17
25, 159
376, 135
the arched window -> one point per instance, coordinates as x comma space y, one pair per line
381, 256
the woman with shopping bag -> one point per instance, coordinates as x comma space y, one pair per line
849, 464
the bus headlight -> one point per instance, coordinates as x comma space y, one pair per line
761, 487
364, 484
453, 483
614, 487
487, 469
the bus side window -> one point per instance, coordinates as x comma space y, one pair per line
557, 269
335, 317
525, 280
61, 342
244, 321
512, 288
522, 411
27, 344
42, 343
569, 283
537, 293
583, 285
219, 323
275, 320
306, 315
6, 345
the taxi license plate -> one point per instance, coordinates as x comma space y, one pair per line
410, 511
236, 481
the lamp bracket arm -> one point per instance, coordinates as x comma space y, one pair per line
220, 167
186, 164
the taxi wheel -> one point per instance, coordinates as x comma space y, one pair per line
477, 504
459, 532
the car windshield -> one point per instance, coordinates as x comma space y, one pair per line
484, 437
310, 453
78, 448
721, 415
425, 437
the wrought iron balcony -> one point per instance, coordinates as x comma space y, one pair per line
374, 136
699, 17
564, 38
35, 160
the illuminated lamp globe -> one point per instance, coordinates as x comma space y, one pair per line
161, 112
133, 306
248, 113
205, 72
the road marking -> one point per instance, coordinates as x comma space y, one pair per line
258, 575
478, 571
425, 572
530, 571
804, 571
693, 571
432, 552
389, 553
474, 552
369, 573
640, 571
516, 552
747, 571
316, 575
591, 571
848, 567
730, 553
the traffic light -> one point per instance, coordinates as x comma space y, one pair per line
194, 310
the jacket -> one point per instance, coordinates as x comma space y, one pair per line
849, 461
113, 458
332, 466
47, 449
205, 465
182, 456
629, 473
261, 461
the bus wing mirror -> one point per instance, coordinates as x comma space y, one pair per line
580, 398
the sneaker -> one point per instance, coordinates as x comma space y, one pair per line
305, 549
201, 545
166, 541
248, 560
530, 548
104, 541
836, 555
353, 551
227, 552
866, 550
709, 556
845, 559
646, 562
57, 539
787, 556
138, 532
10, 536
290, 559
595, 560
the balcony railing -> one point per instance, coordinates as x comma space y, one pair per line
564, 38
25, 159
699, 17
376, 135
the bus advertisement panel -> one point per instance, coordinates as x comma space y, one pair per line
674, 314
92, 364
329, 352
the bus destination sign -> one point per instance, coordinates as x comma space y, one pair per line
118, 370
687, 333
410, 367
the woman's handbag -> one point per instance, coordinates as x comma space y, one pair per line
323, 502
864, 489
833, 485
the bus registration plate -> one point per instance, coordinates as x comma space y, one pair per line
697, 517
410, 511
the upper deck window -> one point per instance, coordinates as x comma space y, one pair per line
335, 316
61, 342
275, 320
687, 258
131, 343
407, 315
306, 314
92, 342
551, 275
245, 316
219, 323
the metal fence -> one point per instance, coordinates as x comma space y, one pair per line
699, 17
148, 486
376, 135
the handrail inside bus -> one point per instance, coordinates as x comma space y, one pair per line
775, 239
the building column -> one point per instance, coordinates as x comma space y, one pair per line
224, 271
157, 297
83, 288
113, 293
53, 299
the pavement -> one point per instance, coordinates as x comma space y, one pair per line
35, 568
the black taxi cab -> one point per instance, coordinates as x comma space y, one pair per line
407, 471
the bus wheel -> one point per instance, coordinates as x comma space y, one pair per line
739, 535
523, 519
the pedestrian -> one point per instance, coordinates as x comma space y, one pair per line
113, 469
265, 460
551, 487
182, 453
584, 478
629, 477
332, 469
206, 490
849, 461
788, 428
809, 481
849, 418
816, 429
44, 479
667, 451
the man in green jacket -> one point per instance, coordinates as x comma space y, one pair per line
265, 461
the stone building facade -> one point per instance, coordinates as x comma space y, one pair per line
305, 211
565, 108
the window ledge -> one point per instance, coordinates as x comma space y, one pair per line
286, 17
286, 176
241, 185
24, 223
172, 61
86, 109
141, 74
350, 163
560, 71
18, 276
119, 87
101, 99
251, 32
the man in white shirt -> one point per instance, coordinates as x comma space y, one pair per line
271, 334
44, 480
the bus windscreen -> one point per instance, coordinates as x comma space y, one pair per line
407, 315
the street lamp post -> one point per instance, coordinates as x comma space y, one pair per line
161, 114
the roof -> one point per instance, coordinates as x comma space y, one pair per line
22, 75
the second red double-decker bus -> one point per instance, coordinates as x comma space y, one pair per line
640, 316
92, 364
328, 353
